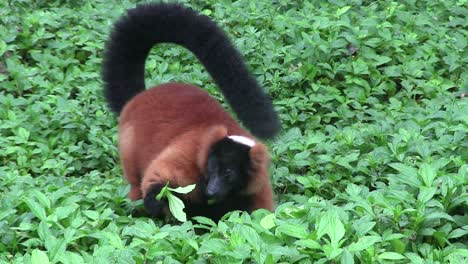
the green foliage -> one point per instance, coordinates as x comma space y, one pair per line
371, 166
176, 205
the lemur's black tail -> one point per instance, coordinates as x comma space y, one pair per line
137, 32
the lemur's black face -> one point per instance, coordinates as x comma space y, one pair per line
227, 169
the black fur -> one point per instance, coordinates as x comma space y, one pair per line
146, 25
154, 207
217, 210
227, 169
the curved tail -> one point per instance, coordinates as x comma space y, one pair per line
146, 25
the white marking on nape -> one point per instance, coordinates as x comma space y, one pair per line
243, 140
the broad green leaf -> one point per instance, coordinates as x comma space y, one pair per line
3, 46
428, 174
23, 133
426, 194
294, 230
360, 67
278, 251
459, 232
56, 248
35, 208
364, 243
438, 215
214, 245
336, 231
382, 60
414, 258
391, 256
409, 174
65, 211
268, 221
44, 231
347, 257
185, 189
192, 242
93, 215
6, 213
398, 246
176, 206
344, 161
331, 225
251, 236
112, 239
205, 221
160, 235
71, 257
342, 10
331, 251
42, 198
39, 257
308, 243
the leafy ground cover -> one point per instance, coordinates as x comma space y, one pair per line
371, 166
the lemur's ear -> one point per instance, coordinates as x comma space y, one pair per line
259, 161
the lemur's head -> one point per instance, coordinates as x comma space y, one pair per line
227, 167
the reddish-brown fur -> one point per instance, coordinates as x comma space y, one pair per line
165, 134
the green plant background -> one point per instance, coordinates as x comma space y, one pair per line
371, 166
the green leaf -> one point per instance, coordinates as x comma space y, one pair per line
160, 235
50, 164
364, 243
35, 208
23, 134
398, 246
176, 206
93, 215
438, 215
108, 238
331, 225
391, 256
39, 257
214, 245
409, 174
426, 194
71, 257
381, 60
268, 221
331, 251
65, 211
249, 234
415, 259
360, 67
459, 232
336, 231
344, 161
42, 198
342, 10
3, 47
44, 231
205, 221
163, 193
294, 230
347, 257
185, 189
428, 174
56, 247
308, 243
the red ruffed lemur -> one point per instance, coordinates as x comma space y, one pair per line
177, 133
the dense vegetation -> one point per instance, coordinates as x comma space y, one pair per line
371, 166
